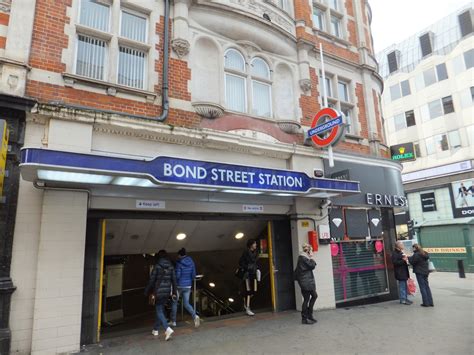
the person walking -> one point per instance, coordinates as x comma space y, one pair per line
400, 268
185, 275
161, 285
248, 264
419, 260
305, 277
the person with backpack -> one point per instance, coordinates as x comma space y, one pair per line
305, 277
162, 284
185, 275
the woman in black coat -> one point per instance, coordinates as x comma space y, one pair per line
419, 260
162, 284
248, 263
400, 268
304, 276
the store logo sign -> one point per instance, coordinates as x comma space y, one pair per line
327, 127
403, 152
386, 200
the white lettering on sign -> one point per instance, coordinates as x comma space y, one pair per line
323, 231
386, 200
453, 250
252, 208
150, 204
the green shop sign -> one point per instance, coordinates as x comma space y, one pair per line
403, 152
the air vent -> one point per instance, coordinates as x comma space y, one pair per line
465, 22
393, 61
426, 44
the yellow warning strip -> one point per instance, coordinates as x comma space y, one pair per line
270, 260
101, 279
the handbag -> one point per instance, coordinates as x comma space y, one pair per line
431, 267
239, 273
411, 286
151, 299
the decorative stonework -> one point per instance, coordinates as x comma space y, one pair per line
289, 126
180, 47
208, 109
305, 85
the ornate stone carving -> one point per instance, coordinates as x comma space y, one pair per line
180, 46
289, 126
305, 85
208, 109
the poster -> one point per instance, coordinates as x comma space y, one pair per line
463, 198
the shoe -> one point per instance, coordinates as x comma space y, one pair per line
406, 303
313, 320
154, 332
424, 305
409, 302
168, 333
173, 324
249, 312
306, 321
431, 305
197, 321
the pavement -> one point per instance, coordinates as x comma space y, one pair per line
383, 328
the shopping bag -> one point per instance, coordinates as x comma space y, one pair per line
411, 286
431, 267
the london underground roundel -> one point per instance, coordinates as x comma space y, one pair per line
327, 127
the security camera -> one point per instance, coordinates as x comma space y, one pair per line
318, 173
325, 203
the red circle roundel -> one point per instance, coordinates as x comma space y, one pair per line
321, 124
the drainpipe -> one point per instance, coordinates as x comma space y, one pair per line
164, 85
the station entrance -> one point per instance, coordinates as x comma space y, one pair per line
121, 251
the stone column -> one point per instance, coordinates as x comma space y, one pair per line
180, 42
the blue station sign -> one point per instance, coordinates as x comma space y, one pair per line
177, 171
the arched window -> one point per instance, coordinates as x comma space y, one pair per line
261, 88
235, 81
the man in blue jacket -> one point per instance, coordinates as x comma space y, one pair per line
185, 274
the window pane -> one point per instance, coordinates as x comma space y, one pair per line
417, 150
395, 92
90, 57
441, 71
335, 26
260, 68
429, 77
435, 109
342, 91
133, 27
328, 86
131, 67
454, 139
261, 99
458, 65
348, 113
95, 15
405, 86
318, 19
469, 58
410, 118
400, 122
448, 106
467, 97
430, 146
235, 92
425, 113
333, 4
441, 141
234, 60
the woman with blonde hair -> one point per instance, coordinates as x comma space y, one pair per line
304, 276
419, 261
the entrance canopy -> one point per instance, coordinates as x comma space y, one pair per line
58, 167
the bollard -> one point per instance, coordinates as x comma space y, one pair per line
462, 274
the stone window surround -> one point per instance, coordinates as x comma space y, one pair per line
111, 76
328, 13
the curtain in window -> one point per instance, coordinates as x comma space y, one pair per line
261, 99
95, 15
133, 27
234, 60
90, 57
131, 67
260, 68
235, 92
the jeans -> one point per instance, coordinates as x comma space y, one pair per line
425, 289
184, 293
160, 317
309, 298
402, 290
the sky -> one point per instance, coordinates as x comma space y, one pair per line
395, 20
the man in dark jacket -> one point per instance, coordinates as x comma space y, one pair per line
162, 284
400, 268
185, 275
419, 261
304, 276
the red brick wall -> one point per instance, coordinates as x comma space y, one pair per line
364, 130
303, 12
309, 103
4, 18
350, 7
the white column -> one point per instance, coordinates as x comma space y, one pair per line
60, 269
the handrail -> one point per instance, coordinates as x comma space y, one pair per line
218, 300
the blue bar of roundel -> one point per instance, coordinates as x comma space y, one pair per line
327, 126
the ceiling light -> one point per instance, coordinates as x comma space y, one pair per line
283, 194
64, 176
231, 300
239, 235
181, 236
131, 181
247, 192
212, 284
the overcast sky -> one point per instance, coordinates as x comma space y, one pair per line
395, 20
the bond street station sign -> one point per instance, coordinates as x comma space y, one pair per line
403, 152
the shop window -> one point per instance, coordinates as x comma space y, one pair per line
410, 118
405, 87
454, 139
469, 58
448, 105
